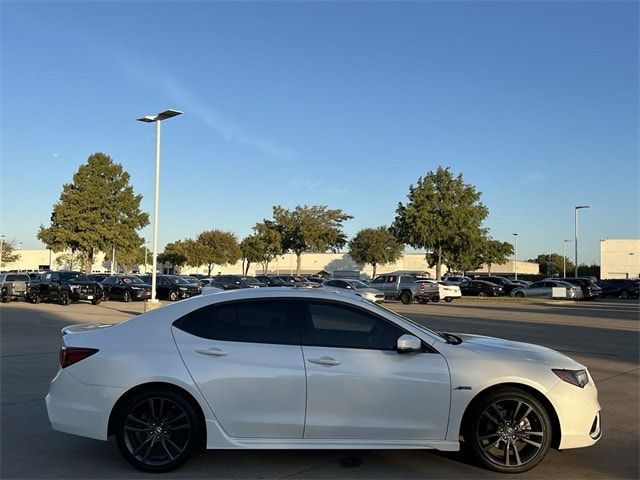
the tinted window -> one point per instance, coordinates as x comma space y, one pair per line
109, 280
379, 280
407, 279
263, 321
391, 279
332, 325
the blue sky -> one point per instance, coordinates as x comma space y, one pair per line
343, 104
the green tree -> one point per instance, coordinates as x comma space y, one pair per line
442, 215
309, 229
251, 249
375, 246
551, 264
9, 253
129, 259
467, 256
215, 247
96, 211
495, 252
270, 242
69, 260
174, 253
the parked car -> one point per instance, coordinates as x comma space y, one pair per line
271, 281
65, 287
521, 283
233, 282
125, 288
544, 288
620, 288
208, 289
14, 286
480, 288
403, 287
355, 286
192, 280
298, 369
445, 291
172, 287
297, 281
507, 285
455, 280
589, 288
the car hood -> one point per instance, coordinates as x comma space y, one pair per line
90, 283
508, 350
368, 290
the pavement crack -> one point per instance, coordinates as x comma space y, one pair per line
618, 375
308, 469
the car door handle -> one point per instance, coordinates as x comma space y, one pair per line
214, 351
327, 361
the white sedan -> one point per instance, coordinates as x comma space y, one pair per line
275, 368
447, 292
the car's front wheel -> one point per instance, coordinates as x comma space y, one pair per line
448, 299
509, 431
126, 297
157, 430
173, 295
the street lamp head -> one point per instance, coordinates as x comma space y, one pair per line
161, 116
582, 206
514, 234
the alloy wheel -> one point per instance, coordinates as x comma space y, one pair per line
157, 431
510, 433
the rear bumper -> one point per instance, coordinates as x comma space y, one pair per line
80, 409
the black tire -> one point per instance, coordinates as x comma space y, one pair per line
96, 301
448, 299
435, 299
519, 295
6, 298
173, 295
423, 301
157, 430
405, 297
482, 294
126, 297
518, 421
63, 299
624, 294
36, 298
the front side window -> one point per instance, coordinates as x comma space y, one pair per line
262, 321
391, 279
334, 325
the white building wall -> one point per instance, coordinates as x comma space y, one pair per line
620, 258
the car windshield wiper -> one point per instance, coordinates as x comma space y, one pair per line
452, 339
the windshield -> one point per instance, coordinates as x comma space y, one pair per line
132, 280
178, 280
77, 276
412, 322
251, 281
357, 284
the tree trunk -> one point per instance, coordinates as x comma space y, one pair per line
374, 265
246, 271
439, 265
298, 262
489, 268
209, 268
266, 267
88, 262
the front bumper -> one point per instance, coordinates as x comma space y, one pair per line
80, 409
578, 413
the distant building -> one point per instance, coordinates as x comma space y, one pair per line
620, 258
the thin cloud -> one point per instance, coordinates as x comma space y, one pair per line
196, 107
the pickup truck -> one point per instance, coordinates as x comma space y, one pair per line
13, 285
404, 287
65, 287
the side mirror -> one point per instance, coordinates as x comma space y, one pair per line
408, 344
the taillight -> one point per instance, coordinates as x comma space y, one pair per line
71, 355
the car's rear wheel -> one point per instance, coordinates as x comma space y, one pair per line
423, 301
64, 299
435, 299
126, 297
519, 295
509, 431
405, 298
482, 294
624, 294
173, 295
35, 298
448, 299
157, 430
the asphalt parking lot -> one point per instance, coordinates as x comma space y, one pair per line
603, 335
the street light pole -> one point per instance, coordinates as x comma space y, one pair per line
515, 255
575, 240
157, 119
1, 246
19, 255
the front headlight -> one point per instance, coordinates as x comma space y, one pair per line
579, 378
183, 288
135, 288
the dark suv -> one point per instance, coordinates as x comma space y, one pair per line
65, 287
507, 285
620, 288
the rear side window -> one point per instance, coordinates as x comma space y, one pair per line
263, 321
333, 325
407, 279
